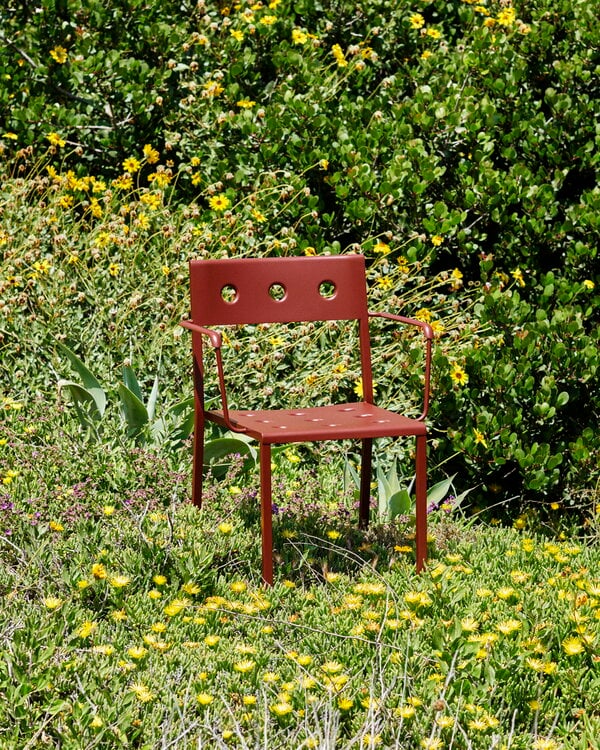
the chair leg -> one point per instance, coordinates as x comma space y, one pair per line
421, 501
266, 518
365, 482
198, 465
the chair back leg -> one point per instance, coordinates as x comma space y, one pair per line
266, 514
365, 482
198, 464
421, 501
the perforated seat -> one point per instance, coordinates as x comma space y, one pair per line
284, 290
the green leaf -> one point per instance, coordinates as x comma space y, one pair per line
439, 491
82, 397
151, 405
90, 383
133, 410
131, 381
218, 450
399, 504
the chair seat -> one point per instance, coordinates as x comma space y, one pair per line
341, 421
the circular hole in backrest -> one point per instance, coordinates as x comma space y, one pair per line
229, 293
327, 289
277, 292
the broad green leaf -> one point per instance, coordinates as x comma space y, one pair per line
439, 491
131, 381
82, 397
133, 410
90, 383
151, 405
399, 504
218, 450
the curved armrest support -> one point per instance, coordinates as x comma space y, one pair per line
428, 335
214, 337
216, 341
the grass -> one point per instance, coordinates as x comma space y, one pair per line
130, 619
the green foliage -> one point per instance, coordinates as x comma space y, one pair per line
461, 137
129, 618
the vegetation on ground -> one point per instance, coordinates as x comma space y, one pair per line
455, 144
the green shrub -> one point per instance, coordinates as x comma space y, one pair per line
460, 137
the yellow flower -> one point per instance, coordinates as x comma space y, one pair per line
99, 571
225, 528
299, 36
517, 275
56, 140
507, 16
151, 154
406, 712
245, 103
237, 34
456, 278
119, 582
56, 526
86, 629
109, 510
588, 284
268, 20
479, 438
573, 646
381, 247
213, 88
509, 626
96, 722
154, 594
53, 602
191, 588
175, 607
205, 699
245, 666
142, 692
137, 652
458, 375
416, 21
59, 54
545, 744
434, 33
332, 667
114, 269
219, 202
159, 580
131, 165
437, 240
283, 708
340, 58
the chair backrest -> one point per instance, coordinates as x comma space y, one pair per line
278, 290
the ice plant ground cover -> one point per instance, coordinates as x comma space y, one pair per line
129, 619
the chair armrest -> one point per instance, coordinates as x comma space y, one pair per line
214, 337
428, 335
216, 341
425, 327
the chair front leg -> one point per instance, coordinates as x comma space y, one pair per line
266, 514
198, 457
365, 483
421, 501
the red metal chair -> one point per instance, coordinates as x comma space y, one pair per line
241, 291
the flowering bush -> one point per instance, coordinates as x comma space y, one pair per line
449, 142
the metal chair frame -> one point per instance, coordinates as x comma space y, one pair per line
241, 291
